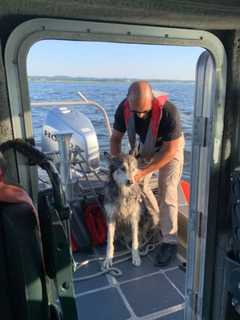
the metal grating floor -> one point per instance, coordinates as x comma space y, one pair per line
141, 293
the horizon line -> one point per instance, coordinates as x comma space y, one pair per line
106, 78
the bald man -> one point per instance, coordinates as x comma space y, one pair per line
156, 122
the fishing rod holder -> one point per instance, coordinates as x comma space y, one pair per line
63, 139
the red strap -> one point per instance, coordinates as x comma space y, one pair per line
126, 112
157, 109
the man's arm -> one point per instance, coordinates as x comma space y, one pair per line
160, 159
172, 136
115, 142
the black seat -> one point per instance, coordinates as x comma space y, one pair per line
23, 292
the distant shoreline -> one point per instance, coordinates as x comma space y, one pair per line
79, 79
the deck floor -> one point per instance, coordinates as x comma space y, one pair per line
146, 292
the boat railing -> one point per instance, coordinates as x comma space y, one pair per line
83, 101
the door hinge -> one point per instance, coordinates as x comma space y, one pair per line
196, 223
195, 302
201, 125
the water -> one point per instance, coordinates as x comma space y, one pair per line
109, 94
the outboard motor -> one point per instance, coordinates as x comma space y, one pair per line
64, 119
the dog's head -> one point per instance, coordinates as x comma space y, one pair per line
123, 169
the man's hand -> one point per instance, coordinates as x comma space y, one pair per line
139, 176
163, 157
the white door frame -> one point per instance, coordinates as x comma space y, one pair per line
32, 31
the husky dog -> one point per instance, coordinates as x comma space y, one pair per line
122, 203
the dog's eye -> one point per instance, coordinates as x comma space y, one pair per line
123, 168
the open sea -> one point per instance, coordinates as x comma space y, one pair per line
109, 94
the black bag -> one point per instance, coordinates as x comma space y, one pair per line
21, 265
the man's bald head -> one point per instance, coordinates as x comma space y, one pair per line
140, 96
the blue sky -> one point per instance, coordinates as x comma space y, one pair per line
112, 60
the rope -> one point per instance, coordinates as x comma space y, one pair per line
147, 247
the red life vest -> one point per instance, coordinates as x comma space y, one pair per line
150, 141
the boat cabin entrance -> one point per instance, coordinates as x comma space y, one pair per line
144, 293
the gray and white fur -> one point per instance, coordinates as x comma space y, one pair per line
122, 203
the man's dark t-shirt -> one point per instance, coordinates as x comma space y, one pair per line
169, 127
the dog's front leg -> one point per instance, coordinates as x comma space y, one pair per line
110, 246
136, 260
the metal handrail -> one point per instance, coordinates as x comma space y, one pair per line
84, 101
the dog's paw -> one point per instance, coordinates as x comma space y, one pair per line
136, 260
107, 263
